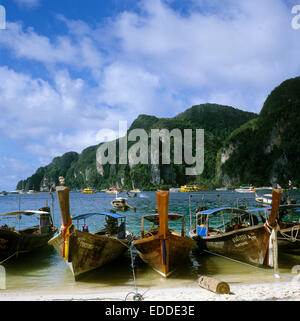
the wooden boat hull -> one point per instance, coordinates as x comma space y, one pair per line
289, 239
89, 251
248, 245
23, 241
149, 250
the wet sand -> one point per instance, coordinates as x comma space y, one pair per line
270, 291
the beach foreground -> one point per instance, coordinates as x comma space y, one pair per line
271, 291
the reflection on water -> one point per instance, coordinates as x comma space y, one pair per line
45, 270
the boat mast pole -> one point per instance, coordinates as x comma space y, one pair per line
190, 208
276, 198
162, 198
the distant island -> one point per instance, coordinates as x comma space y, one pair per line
240, 148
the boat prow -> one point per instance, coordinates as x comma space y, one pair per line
161, 248
84, 251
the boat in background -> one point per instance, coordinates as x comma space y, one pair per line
161, 248
113, 190
238, 234
82, 250
266, 199
131, 194
244, 188
120, 203
174, 189
135, 191
15, 241
189, 188
88, 190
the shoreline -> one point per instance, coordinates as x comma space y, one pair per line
268, 291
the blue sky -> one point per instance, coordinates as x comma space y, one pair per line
71, 68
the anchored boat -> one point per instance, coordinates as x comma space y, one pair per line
82, 250
15, 240
288, 234
120, 203
88, 190
160, 247
237, 233
245, 189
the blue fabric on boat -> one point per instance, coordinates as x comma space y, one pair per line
214, 210
83, 216
164, 253
201, 230
259, 209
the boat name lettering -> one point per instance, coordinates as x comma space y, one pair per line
241, 244
86, 245
239, 238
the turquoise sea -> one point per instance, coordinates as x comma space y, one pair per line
45, 270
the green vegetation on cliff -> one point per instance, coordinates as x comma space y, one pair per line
81, 170
265, 150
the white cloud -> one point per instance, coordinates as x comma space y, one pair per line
77, 54
157, 61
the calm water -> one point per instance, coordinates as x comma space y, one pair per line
45, 269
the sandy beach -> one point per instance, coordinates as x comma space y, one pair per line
271, 291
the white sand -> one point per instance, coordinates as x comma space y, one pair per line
277, 290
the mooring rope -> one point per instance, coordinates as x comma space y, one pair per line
136, 295
8, 258
292, 238
250, 265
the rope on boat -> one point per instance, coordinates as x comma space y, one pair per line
8, 257
250, 265
136, 295
291, 237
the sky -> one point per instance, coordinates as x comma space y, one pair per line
71, 68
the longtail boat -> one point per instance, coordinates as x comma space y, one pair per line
238, 234
15, 240
288, 234
84, 251
160, 247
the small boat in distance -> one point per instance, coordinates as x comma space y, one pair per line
162, 248
88, 190
222, 189
15, 241
135, 191
244, 188
113, 190
266, 199
131, 194
84, 251
120, 203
